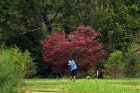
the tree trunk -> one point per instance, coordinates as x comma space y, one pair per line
66, 30
46, 19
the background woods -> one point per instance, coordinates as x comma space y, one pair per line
27, 23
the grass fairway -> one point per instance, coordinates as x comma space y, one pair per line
84, 85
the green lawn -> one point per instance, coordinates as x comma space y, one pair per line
84, 85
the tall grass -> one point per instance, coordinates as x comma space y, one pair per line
84, 85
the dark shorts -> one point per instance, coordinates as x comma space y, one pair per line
73, 72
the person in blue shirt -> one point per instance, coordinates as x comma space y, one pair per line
73, 69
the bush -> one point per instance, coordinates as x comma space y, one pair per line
132, 63
11, 73
29, 66
114, 66
23, 60
82, 45
13, 63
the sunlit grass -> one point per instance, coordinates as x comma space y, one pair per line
84, 85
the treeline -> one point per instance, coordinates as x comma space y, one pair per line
24, 23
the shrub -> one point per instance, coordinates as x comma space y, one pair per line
10, 78
132, 63
29, 66
11, 73
83, 44
24, 61
114, 66
13, 63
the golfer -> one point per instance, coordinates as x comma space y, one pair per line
73, 69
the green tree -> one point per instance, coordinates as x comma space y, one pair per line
114, 66
132, 63
25, 23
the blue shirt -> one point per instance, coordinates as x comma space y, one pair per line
72, 65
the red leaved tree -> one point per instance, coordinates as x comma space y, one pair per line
83, 45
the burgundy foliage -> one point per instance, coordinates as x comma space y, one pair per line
83, 45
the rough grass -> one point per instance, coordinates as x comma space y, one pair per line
84, 85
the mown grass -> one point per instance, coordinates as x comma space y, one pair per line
84, 85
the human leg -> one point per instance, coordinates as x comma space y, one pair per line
71, 75
74, 77
74, 74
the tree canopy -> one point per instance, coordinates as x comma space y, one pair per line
83, 45
24, 23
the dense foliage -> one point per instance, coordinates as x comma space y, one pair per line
10, 78
115, 66
25, 23
13, 65
83, 45
132, 63
22, 60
